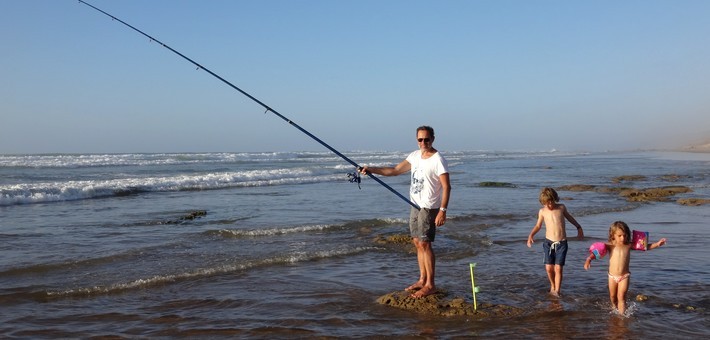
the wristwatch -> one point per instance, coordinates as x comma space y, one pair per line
442, 209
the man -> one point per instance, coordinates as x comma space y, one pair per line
430, 189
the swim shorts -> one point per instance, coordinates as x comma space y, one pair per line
555, 252
422, 223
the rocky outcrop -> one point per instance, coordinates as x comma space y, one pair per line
693, 201
657, 194
440, 304
653, 194
628, 178
195, 214
497, 185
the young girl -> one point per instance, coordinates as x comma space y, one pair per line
619, 249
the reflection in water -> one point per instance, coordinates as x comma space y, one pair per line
555, 305
618, 327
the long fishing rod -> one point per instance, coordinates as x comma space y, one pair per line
355, 177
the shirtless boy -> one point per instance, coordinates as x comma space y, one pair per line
555, 244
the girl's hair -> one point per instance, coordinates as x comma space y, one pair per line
548, 195
619, 225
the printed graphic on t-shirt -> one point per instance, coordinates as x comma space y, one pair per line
417, 182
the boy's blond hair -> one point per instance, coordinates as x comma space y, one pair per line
548, 195
619, 225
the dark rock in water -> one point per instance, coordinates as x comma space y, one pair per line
396, 242
628, 178
577, 187
497, 185
188, 217
688, 308
439, 304
693, 201
660, 194
193, 215
612, 190
653, 194
673, 177
394, 239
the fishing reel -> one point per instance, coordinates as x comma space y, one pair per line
354, 177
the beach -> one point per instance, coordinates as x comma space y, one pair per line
282, 245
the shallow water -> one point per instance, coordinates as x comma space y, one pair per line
99, 245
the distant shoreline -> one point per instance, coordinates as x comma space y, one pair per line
703, 148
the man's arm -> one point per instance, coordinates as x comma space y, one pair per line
445, 193
396, 170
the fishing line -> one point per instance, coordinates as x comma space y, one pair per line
355, 177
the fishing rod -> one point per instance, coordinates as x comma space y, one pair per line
353, 177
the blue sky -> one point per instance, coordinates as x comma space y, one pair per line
361, 75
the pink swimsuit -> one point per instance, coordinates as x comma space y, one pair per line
619, 278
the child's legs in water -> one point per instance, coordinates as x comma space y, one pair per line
613, 286
617, 293
554, 275
558, 278
554, 259
550, 269
621, 289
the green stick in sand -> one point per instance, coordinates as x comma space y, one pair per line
474, 289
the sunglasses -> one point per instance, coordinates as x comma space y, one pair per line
425, 140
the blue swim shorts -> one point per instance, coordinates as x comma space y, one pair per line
555, 252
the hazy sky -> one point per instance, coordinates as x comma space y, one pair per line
361, 75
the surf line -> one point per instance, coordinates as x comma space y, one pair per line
355, 177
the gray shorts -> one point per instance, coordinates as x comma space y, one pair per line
422, 223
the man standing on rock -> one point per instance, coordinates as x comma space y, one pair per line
430, 190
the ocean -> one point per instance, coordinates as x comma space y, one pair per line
282, 245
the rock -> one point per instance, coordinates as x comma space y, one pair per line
613, 190
398, 242
653, 194
187, 217
638, 195
497, 185
399, 239
673, 177
628, 178
693, 201
195, 214
440, 305
577, 187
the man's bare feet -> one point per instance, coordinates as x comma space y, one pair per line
414, 286
425, 291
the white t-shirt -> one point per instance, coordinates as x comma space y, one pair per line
425, 189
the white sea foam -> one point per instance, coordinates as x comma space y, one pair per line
27, 178
78, 190
205, 272
139, 159
274, 231
103, 160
